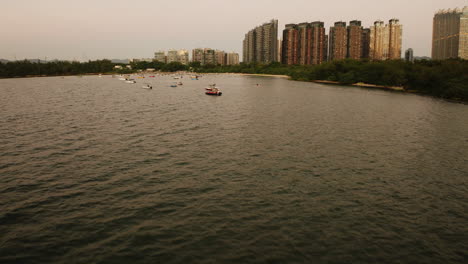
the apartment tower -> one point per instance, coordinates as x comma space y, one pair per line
319, 43
338, 41
365, 43
395, 34
290, 44
261, 44
450, 34
354, 47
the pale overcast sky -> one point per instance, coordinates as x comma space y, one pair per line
94, 29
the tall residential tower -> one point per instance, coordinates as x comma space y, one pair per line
450, 34
261, 44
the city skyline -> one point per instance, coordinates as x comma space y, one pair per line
114, 29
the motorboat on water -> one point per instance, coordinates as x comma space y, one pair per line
180, 83
147, 86
213, 90
130, 81
173, 85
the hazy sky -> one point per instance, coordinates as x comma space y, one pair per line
93, 29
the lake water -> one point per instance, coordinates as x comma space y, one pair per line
94, 170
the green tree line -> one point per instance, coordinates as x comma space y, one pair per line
446, 78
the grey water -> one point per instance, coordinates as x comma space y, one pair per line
95, 170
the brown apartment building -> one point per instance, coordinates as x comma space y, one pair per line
338, 41
290, 44
354, 47
304, 44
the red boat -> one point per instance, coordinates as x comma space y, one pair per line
213, 91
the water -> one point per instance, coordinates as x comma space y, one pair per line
94, 170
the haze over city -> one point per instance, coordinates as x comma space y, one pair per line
57, 29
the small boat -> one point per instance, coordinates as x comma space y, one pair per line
122, 79
130, 81
176, 78
214, 91
151, 76
180, 83
147, 86
173, 85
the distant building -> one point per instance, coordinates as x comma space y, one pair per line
395, 35
338, 38
261, 43
377, 47
209, 57
319, 43
197, 55
365, 43
354, 44
220, 57
232, 58
385, 41
160, 56
305, 44
290, 44
172, 56
450, 34
409, 55
181, 56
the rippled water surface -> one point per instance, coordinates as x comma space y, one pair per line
94, 170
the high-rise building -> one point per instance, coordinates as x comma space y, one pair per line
305, 42
450, 34
181, 56
232, 58
376, 47
220, 57
385, 41
354, 45
209, 57
261, 43
197, 55
395, 34
318, 43
160, 56
249, 47
290, 44
365, 43
338, 37
172, 56
409, 55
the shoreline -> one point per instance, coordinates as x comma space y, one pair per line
364, 85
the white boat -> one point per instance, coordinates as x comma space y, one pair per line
122, 79
130, 81
147, 86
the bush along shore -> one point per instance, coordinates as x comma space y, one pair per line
446, 79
